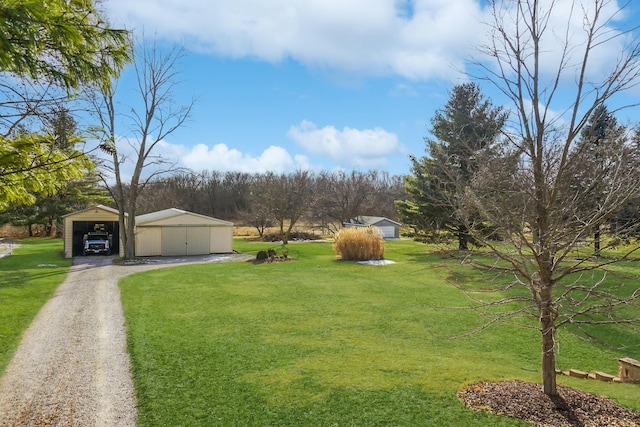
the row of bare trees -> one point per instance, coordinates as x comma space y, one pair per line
324, 200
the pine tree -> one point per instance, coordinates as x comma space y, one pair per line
464, 131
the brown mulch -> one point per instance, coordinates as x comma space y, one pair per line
526, 401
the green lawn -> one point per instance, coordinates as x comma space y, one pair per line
28, 278
318, 342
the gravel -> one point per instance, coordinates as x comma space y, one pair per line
527, 401
72, 367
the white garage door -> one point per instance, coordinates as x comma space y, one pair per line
179, 241
198, 240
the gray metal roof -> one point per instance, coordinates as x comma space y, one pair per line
371, 220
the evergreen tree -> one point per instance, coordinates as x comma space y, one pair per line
465, 130
600, 139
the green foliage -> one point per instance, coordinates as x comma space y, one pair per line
325, 343
28, 279
65, 42
465, 130
69, 195
262, 255
359, 244
31, 164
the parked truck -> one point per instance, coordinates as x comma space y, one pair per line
97, 242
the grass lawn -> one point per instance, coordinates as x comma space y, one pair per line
318, 342
28, 278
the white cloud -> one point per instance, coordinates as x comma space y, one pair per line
348, 147
201, 157
416, 39
412, 38
222, 158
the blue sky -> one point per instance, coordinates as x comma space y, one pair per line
319, 84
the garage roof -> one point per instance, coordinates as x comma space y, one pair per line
171, 214
100, 207
371, 220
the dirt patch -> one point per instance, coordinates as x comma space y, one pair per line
527, 401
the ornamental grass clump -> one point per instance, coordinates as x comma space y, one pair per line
359, 244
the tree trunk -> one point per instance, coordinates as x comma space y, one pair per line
129, 246
596, 241
547, 328
463, 239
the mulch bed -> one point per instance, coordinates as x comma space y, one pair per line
526, 401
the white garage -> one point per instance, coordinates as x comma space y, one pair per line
174, 232
97, 218
390, 229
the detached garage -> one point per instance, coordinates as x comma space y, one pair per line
174, 232
78, 224
389, 228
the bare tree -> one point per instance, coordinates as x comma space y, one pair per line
287, 198
257, 213
530, 199
157, 118
339, 197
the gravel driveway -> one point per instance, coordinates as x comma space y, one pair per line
72, 367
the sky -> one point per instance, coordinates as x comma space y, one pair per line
281, 85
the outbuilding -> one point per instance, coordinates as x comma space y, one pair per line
390, 229
174, 232
98, 218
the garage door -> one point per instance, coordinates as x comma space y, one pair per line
198, 240
179, 241
388, 231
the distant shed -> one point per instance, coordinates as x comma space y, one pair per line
96, 218
174, 232
390, 229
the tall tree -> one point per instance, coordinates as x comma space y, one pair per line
46, 48
78, 190
65, 42
468, 125
340, 197
601, 138
30, 164
287, 197
545, 68
159, 117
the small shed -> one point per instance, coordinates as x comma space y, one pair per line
390, 229
174, 232
629, 370
97, 218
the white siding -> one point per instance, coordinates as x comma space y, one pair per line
148, 241
221, 240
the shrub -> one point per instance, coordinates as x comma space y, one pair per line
294, 235
262, 255
359, 244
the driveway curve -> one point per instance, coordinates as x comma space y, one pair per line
72, 367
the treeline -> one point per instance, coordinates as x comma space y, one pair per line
323, 200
